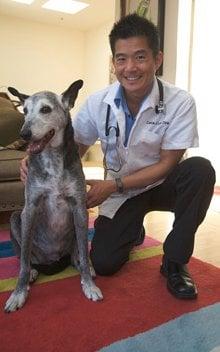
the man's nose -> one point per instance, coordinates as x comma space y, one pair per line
130, 64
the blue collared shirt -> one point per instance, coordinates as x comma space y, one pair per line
129, 118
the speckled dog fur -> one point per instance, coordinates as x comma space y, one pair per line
54, 221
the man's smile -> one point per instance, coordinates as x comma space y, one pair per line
133, 78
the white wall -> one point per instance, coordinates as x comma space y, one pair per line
184, 36
198, 53
36, 56
205, 78
170, 41
97, 58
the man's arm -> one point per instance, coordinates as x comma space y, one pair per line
101, 190
150, 174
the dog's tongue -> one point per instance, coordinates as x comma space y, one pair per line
37, 146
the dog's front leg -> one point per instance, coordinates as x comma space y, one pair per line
89, 288
19, 296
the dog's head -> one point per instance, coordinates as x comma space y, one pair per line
46, 116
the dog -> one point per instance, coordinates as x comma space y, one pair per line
51, 230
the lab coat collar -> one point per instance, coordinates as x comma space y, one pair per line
150, 102
152, 98
117, 110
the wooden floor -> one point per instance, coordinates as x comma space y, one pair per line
207, 240
158, 225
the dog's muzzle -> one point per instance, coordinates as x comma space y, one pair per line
37, 146
26, 134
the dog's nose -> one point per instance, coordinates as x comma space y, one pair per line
26, 134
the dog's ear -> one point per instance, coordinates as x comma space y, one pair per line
15, 92
70, 95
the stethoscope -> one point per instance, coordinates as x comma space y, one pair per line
159, 109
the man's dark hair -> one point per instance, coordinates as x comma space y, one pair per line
135, 26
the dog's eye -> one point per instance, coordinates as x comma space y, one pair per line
45, 109
25, 111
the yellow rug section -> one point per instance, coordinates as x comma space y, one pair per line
143, 253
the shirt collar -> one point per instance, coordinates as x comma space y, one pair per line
120, 100
113, 97
149, 100
118, 96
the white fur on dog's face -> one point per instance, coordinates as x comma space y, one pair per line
40, 122
45, 119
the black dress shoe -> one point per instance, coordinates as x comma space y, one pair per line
141, 237
179, 281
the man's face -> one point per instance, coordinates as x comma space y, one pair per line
135, 65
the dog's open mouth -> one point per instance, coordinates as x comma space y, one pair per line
36, 147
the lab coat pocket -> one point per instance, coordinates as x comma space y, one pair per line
148, 144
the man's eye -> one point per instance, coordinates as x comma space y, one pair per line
120, 59
25, 111
140, 57
45, 109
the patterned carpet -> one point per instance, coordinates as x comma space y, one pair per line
137, 313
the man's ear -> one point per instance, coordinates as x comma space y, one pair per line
158, 60
16, 93
70, 95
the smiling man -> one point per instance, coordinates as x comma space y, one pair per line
135, 66
145, 125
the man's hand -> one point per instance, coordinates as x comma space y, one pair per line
99, 191
24, 169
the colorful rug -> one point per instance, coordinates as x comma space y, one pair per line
137, 313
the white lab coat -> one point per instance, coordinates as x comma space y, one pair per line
151, 132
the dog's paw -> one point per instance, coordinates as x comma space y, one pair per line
92, 292
16, 301
33, 275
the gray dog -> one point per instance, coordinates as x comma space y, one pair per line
51, 231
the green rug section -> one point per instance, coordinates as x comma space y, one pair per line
143, 253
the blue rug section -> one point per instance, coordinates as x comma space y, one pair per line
192, 332
90, 234
6, 248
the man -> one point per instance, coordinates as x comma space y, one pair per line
145, 128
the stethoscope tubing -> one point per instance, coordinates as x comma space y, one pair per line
158, 109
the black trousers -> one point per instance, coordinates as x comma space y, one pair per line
187, 192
